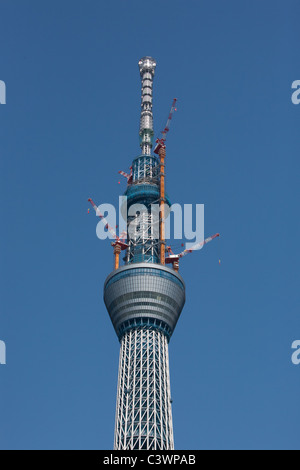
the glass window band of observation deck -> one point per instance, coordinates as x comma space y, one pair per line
145, 303
121, 299
141, 271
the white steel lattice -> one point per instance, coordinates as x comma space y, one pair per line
143, 414
143, 231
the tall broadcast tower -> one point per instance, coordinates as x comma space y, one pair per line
144, 297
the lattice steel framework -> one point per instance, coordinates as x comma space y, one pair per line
143, 238
143, 413
145, 170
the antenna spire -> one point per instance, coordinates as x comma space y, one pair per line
147, 69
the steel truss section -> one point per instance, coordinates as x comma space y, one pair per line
143, 413
143, 238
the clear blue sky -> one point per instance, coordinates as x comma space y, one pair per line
70, 123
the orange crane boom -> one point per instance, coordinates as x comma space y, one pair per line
160, 149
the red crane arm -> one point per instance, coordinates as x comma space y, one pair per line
197, 246
171, 257
161, 142
107, 226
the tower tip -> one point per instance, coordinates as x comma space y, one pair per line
147, 63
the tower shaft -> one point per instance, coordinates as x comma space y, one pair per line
143, 413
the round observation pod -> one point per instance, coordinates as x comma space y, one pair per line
144, 293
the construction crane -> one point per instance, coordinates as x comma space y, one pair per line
160, 143
174, 259
160, 149
119, 243
127, 176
